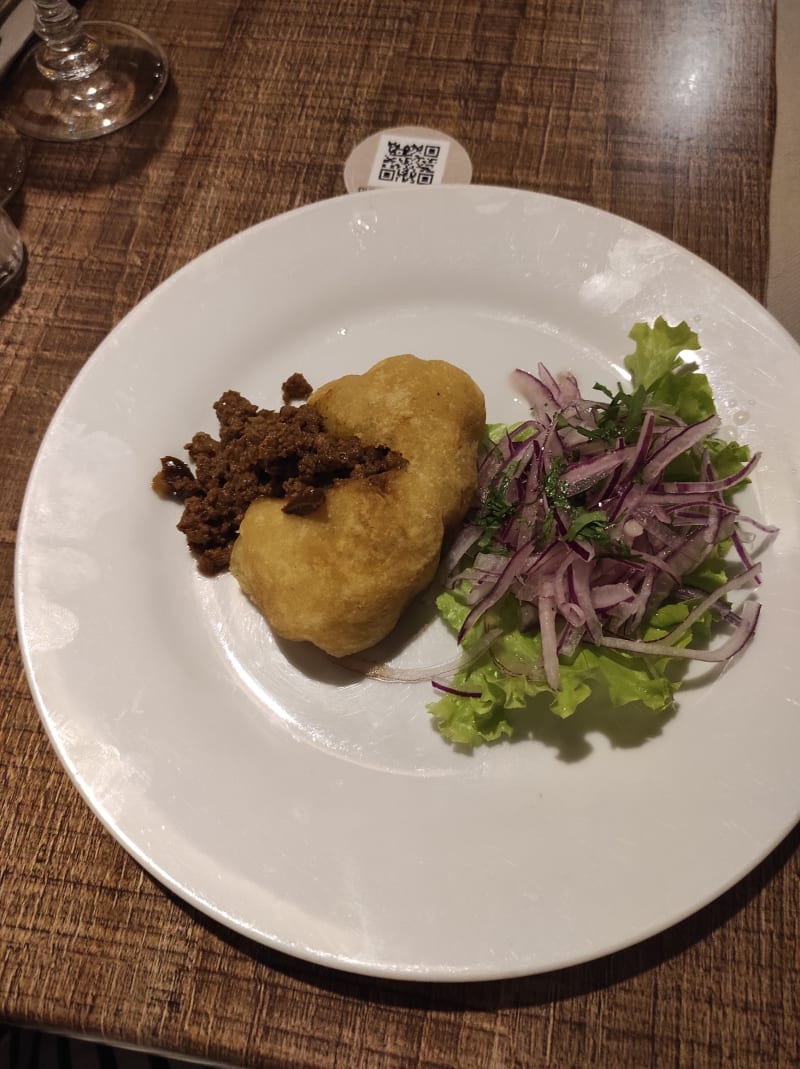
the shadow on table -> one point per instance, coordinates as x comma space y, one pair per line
536, 990
73, 167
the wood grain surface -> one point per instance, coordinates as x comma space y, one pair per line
661, 112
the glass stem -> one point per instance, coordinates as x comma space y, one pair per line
67, 52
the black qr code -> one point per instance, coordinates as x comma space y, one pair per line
413, 164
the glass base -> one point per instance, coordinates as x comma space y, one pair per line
12, 161
128, 81
13, 261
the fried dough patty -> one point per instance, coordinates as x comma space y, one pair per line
341, 576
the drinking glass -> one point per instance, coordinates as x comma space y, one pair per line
13, 257
83, 79
13, 260
12, 161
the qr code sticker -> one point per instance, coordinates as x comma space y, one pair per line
408, 162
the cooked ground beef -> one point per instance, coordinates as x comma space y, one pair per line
260, 453
296, 388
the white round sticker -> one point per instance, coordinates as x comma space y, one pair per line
406, 156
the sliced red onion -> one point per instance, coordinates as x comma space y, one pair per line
445, 689
466, 538
569, 640
517, 667
714, 486
609, 595
687, 438
580, 475
738, 581
583, 595
547, 630
737, 641
534, 391
642, 444
503, 583
388, 673
657, 532
766, 528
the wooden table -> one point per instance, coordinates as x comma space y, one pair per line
660, 112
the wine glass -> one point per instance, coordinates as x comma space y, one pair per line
82, 79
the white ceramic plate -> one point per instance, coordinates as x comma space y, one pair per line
321, 814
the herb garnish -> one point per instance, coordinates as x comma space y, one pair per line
607, 559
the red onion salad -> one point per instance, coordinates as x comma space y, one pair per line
608, 526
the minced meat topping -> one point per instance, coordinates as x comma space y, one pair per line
296, 388
260, 453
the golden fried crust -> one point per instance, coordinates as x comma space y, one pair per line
341, 576
428, 410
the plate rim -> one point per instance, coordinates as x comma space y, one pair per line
338, 962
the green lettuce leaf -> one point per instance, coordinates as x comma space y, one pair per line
509, 677
657, 350
656, 367
622, 677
